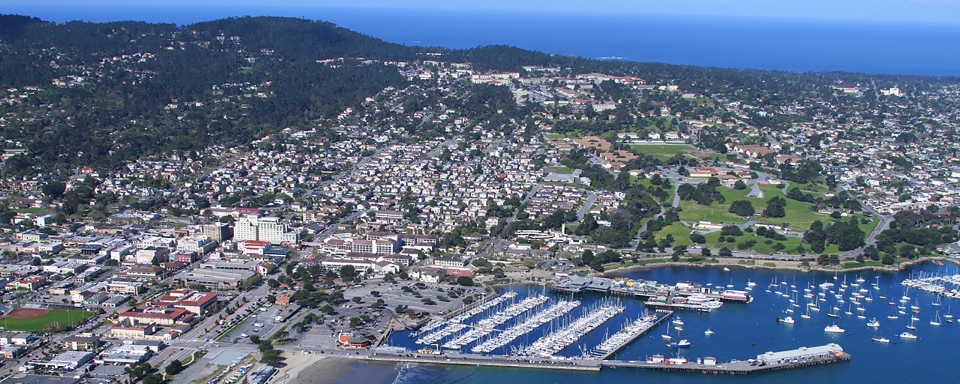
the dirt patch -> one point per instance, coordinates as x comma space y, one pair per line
26, 313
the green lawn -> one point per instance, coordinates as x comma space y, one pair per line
681, 235
554, 136
35, 211
646, 183
716, 212
661, 151
56, 317
561, 170
246, 70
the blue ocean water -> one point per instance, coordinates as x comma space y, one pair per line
783, 44
738, 326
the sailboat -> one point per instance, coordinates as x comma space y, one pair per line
876, 285
806, 315
667, 335
834, 312
948, 317
848, 312
937, 321
911, 326
937, 303
731, 283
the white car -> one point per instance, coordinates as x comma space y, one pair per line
244, 335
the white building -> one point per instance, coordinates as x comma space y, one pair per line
266, 229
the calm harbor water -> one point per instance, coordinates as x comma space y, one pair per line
742, 331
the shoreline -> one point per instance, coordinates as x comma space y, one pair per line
312, 368
785, 265
779, 265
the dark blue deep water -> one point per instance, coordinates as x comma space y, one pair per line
738, 326
783, 44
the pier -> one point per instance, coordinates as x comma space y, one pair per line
690, 296
767, 362
626, 336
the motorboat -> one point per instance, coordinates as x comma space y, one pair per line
680, 344
833, 329
785, 320
874, 323
708, 332
881, 339
907, 335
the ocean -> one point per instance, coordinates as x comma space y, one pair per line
743, 331
781, 44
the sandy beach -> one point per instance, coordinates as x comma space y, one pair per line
312, 368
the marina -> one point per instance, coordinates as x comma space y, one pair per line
535, 321
550, 344
487, 325
710, 342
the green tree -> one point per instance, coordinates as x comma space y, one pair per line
466, 281
741, 208
347, 273
776, 207
176, 366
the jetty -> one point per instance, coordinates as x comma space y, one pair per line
768, 362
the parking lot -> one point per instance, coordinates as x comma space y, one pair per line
394, 295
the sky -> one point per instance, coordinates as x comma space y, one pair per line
931, 11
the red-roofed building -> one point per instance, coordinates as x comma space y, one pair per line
283, 301
153, 314
193, 301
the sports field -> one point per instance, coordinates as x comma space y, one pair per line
38, 320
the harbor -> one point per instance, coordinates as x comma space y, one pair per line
738, 339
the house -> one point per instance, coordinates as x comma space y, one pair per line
283, 301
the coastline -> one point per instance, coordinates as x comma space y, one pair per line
786, 265
313, 368
778, 265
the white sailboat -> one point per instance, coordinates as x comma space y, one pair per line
667, 336
911, 326
806, 315
936, 322
948, 317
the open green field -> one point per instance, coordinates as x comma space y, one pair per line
35, 211
661, 151
246, 70
54, 318
798, 214
560, 170
681, 235
646, 183
554, 136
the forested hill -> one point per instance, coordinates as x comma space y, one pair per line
99, 94
83, 93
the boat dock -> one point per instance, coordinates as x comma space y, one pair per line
767, 362
627, 335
